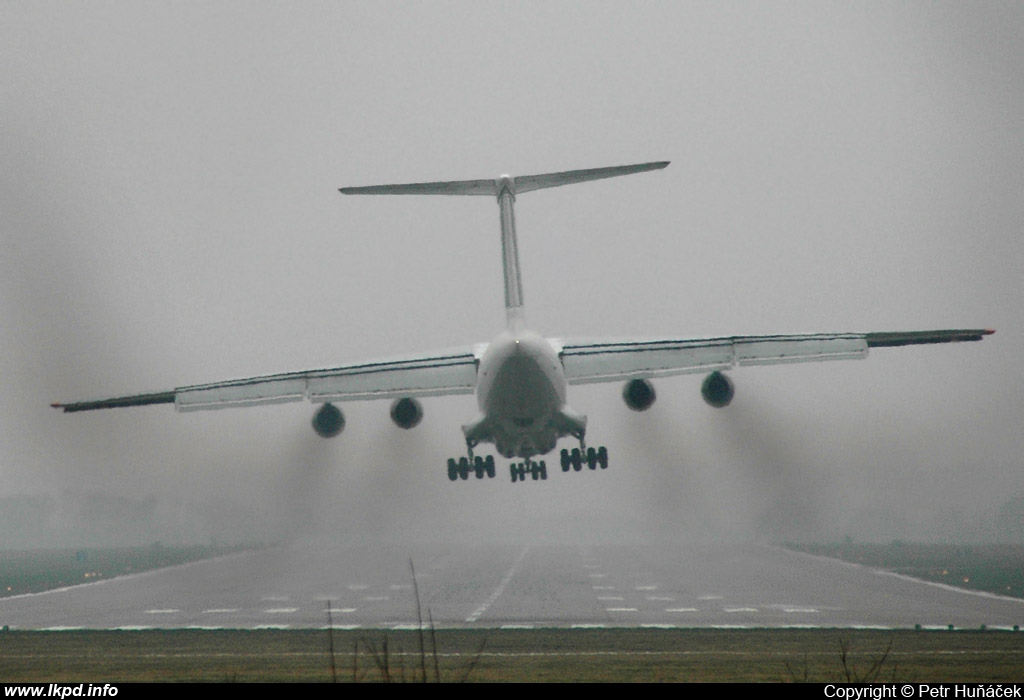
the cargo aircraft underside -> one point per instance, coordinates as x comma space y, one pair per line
520, 378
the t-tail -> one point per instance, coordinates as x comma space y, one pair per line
505, 188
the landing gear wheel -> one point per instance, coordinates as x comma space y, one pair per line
478, 467
602, 457
518, 471
542, 469
453, 470
591, 458
463, 468
577, 461
566, 460
489, 466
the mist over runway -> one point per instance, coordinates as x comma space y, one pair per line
510, 586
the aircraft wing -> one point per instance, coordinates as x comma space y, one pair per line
587, 362
435, 374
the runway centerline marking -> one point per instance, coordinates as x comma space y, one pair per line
278, 611
610, 597
162, 612
680, 609
500, 589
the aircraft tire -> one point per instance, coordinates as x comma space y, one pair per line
464, 468
489, 466
577, 461
602, 457
566, 460
542, 469
591, 458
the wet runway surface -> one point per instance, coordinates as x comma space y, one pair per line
677, 585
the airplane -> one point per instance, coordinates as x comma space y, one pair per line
521, 378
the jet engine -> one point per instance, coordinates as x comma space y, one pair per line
717, 390
328, 421
638, 394
406, 413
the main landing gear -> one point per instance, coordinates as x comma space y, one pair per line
461, 467
577, 457
536, 470
574, 459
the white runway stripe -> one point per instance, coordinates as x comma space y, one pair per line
499, 590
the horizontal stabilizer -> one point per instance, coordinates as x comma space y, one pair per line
470, 187
528, 183
525, 183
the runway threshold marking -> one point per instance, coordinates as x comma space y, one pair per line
500, 589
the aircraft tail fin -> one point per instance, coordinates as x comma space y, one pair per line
492, 188
505, 188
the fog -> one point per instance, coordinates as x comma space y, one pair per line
170, 216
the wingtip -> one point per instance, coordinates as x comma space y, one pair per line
988, 331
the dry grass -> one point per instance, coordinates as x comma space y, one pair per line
642, 655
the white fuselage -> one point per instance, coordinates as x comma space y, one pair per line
521, 392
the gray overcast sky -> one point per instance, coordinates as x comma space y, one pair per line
169, 213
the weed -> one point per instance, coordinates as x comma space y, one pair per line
392, 671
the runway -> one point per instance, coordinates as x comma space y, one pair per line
512, 586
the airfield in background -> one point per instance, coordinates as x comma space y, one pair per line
720, 585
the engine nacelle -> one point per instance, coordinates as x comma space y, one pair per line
717, 390
328, 421
638, 394
406, 413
